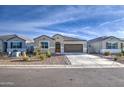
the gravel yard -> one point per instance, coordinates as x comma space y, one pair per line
54, 60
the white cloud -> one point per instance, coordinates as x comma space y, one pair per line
113, 27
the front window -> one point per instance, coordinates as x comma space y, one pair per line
16, 44
44, 45
112, 45
89, 45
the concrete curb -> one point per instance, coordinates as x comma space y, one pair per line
56, 66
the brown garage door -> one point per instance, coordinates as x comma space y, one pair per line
73, 47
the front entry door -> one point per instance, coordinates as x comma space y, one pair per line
58, 47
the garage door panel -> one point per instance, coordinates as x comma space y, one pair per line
73, 47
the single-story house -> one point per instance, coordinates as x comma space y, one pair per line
30, 47
60, 44
13, 43
105, 44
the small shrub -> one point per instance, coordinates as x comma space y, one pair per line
122, 53
34, 54
41, 57
107, 53
1, 54
48, 54
115, 59
37, 52
119, 54
53, 62
25, 57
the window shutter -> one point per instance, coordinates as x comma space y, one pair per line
11, 44
20, 44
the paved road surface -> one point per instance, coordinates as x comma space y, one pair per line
62, 77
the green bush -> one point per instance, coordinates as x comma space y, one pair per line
37, 52
122, 53
48, 54
1, 54
107, 53
119, 54
42, 57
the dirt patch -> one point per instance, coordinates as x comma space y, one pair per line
121, 60
53, 60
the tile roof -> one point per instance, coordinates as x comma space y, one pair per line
7, 37
42, 36
67, 38
102, 38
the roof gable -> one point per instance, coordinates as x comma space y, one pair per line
16, 37
102, 38
43, 36
57, 35
9, 37
67, 38
6, 37
112, 37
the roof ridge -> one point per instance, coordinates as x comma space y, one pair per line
102, 38
44, 35
57, 34
66, 36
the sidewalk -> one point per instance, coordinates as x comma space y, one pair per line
60, 66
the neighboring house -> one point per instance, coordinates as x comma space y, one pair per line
30, 47
122, 44
1, 46
105, 44
61, 44
13, 43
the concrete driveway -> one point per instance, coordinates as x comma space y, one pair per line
88, 60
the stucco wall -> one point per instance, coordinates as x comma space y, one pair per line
110, 50
123, 46
51, 44
100, 46
59, 38
9, 49
94, 47
1, 46
112, 40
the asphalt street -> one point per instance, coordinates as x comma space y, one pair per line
62, 77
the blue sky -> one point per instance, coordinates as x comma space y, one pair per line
84, 22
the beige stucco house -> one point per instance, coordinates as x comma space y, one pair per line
60, 44
105, 44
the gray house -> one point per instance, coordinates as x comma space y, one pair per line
13, 43
60, 44
105, 44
